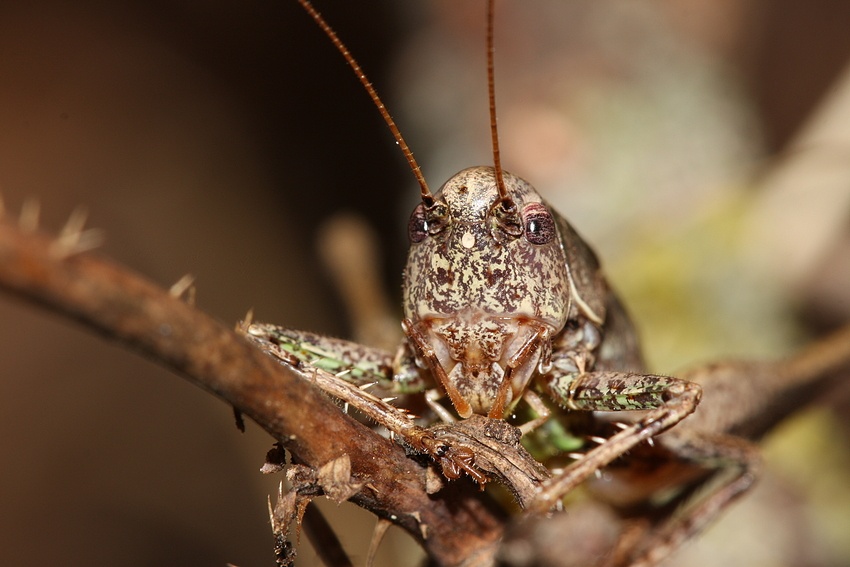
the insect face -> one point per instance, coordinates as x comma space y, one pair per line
486, 286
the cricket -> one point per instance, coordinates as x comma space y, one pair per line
502, 298
513, 419
507, 316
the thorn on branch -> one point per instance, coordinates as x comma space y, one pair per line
237, 416
73, 238
381, 527
30, 211
243, 325
184, 285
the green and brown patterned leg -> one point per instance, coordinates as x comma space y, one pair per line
669, 400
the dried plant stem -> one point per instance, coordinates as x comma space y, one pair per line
454, 526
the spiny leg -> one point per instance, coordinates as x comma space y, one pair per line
539, 407
354, 362
432, 398
742, 401
356, 373
744, 397
669, 399
736, 458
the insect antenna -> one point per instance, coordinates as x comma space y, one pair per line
507, 202
427, 197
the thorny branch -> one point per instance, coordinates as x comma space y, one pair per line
456, 526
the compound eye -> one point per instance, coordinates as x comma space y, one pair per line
417, 226
539, 224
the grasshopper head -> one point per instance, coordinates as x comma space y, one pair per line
482, 279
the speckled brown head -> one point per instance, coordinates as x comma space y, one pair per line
480, 283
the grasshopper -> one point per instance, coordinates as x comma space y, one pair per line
504, 304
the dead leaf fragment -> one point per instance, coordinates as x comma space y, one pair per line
335, 480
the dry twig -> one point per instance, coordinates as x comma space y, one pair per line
458, 526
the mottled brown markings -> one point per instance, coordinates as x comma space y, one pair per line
475, 223
496, 275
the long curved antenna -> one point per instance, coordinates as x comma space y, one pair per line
491, 91
427, 198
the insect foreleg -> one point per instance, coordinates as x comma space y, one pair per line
742, 402
353, 362
669, 399
736, 461
343, 369
453, 458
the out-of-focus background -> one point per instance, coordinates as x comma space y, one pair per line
699, 145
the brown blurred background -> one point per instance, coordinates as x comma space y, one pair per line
214, 138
